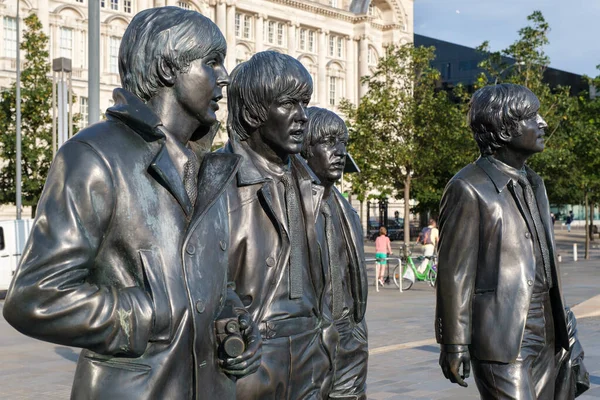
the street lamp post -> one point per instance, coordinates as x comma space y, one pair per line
18, 119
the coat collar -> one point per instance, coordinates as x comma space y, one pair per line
249, 174
133, 112
500, 179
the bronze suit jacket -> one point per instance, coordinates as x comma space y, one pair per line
486, 267
260, 246
122, 265
352, 235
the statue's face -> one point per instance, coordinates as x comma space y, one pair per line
329, 156
529, 138
199, 90
283, 130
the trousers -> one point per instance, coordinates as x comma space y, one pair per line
292, 368
532, 375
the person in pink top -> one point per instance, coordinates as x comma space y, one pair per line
382, 249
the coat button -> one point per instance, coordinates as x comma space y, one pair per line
223, 245
270, 262
190, 249
530, 282
527, 235
200, 306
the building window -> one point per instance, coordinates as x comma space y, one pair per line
243, 26
238, 24
83, 110
311, 41
83, 49
333, 3
79, 1
10, 37
371, 11
332, 87
113, 55
372, 58
114, 4
340, 47
127, 6
302, 39
247, 26
271, 32
184, 4
102, 3
66, 43
280, 34
331, 46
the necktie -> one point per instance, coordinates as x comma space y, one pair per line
539, 227
190, 175
294, 220
335, 262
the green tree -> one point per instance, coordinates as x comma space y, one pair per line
396, 129
36, 128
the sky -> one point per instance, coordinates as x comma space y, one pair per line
574, 27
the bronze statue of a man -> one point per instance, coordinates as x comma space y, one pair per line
340, 238
499, 300
274, 258
127, 256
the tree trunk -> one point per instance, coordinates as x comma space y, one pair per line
407, 209
591, 229
587, 236
33, 211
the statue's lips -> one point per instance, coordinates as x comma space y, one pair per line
337, 165
297, 136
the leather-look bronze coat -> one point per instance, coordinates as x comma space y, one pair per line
487, 266
120, 264
260, 246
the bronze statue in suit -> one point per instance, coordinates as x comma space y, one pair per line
127, 256
340, 238
499, 300
274, 258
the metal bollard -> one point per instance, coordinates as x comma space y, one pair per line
574, 251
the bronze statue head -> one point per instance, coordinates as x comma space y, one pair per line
506, 115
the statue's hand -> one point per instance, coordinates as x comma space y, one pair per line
249, 361
451, 358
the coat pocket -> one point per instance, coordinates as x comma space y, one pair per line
154, 280
119, 363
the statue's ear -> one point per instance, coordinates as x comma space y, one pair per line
166, 72
250, 119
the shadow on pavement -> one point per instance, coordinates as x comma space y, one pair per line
67, 353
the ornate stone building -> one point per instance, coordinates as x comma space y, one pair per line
337, 40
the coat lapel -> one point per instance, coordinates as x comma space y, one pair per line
216, 171
351, 229
163, 166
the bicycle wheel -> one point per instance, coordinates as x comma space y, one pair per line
406, 283
431, 277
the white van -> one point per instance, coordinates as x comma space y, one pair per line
13, 236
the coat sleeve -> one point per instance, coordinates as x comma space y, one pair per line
52, 296
457, 265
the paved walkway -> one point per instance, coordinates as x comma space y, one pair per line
403, 357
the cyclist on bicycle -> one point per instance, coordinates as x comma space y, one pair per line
429, 237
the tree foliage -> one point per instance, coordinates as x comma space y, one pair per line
556, 105
405, 130
36, 117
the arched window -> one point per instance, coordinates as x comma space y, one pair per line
372, 57
335, 81
312, 69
